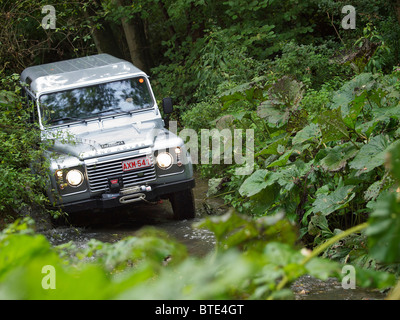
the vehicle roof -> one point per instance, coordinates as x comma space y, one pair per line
78, 72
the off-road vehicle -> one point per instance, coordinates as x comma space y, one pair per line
108, 143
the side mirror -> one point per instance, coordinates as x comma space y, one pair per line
167, 105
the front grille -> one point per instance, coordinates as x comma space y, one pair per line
99, 173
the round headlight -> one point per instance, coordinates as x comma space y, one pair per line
74, 178
164, 160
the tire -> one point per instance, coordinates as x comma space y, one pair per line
183, 204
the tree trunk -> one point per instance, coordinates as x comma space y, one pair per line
103, 37
133, 30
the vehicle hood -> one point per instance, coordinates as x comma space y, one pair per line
88, 144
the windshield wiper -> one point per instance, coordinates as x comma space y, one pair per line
67, 118
98, 114
104, 111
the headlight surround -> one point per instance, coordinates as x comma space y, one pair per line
74, 178
164, 160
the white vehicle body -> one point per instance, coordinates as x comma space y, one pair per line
109, 145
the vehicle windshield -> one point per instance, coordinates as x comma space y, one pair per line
94, 101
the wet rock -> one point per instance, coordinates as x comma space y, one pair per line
310, 288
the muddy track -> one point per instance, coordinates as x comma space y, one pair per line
117, 224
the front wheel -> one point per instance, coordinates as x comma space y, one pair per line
183, 204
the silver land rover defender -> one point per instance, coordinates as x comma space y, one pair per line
108, 143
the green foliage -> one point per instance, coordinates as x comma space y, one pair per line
214, 64
250, 262
310, 64
325, 170
24, 42
328, 202
373, 154
378, 57
385, 218
383, 232
322, 102
22, 170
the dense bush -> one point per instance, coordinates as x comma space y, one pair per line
22, 170
325, 167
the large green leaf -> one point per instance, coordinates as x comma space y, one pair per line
378, 115
323, 268
283, 159
373, 190
332, 126
298, 119
338, 156
287, 92
255, 183
272, 148
261, 202
276, 114
319, 225
310, 132
394, 161
345, 96
384, 229
384, 223
235, 230
373, 154
356, 106
326, 203
287, 176
284, 98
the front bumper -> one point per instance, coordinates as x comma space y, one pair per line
113, 200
